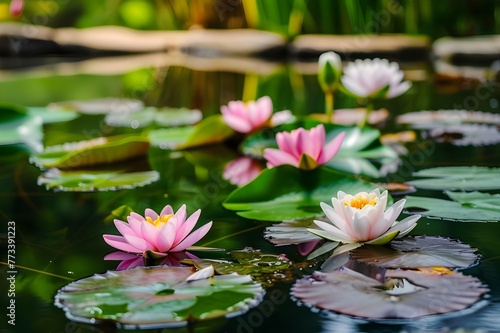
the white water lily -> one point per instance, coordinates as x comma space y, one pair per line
377, 78
362, 219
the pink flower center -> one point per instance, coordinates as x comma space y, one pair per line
360, 200
160, 221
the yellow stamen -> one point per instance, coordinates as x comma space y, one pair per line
360, 200
160, 221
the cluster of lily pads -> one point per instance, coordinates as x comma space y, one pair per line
289, 170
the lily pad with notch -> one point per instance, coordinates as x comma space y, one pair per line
418, 251
406, 294
165, 117
157, 297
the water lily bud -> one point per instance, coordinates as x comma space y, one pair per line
16, 8
329, 70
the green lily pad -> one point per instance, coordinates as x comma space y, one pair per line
18, 126
103, 150
464, 178
468, 207
406, 293
100, 106
210, 130
265, 268
166, 117
287, 193
50, 116
418, 251
156, 297
89, 181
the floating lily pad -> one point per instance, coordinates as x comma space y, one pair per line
292, 232
50, 116
406, 294
157, 297
166, 117
419, 251
287, 193
17, 126
210, 130
89, 181
103, 150
265, 268
433, 119
465, 178
468, 207
467, 135
100, 106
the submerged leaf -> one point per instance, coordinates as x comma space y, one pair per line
89, 181
418, 251
477, 208
210, 130
103, 150
265, 268
287, 193
465, 178
157, 297
406, 294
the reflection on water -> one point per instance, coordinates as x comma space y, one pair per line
59, 233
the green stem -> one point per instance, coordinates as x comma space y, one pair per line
329, 106
369, 109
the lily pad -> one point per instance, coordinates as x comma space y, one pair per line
265, 268
103, 150
17, 126
157, 297
468, 207
433, 119
293, 231
50, 116
465, 178
419, 251
100, 106
467, 135
406, 294
89, 181
287, 193
210, 130
166, 117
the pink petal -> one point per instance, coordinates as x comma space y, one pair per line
123, 228
131, 263
193, 238
149, 233
167, 210
331, 149
277, 157
180, 215
166, 237
120, 243
151, 213
237, 123
16, 7
138, 243
306, 248
135, 225
185, 228
285, 143
120, 255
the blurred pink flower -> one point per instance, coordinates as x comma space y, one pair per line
304, 149
248, 117
157, 235
242, 170
131, 260
377, 78
16, 8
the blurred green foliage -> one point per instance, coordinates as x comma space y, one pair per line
288, 17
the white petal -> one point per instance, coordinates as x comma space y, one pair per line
336, 232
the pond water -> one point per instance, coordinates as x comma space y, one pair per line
59, 234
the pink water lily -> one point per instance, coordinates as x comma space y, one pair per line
242, 170
157, 235
377, 78
362, 219
248, 117
304, 149
132, 260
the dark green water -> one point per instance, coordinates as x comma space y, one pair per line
59, 235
